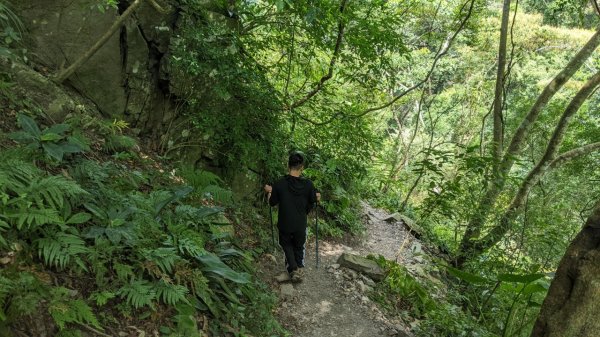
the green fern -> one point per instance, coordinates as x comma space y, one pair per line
118, 143
139, 293
171, 294
3, 227
124, 271
102, 297
164, 257
187, 241
61, 249
66, 310
52, 191
199, 179
6, 288
33, 217
218, 194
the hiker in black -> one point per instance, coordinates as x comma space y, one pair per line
295, 196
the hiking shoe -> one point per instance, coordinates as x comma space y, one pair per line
296, 276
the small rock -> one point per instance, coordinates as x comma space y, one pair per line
271, 258
368, 281
363, 287
287, 291
362, 265
335, 266
283, 277
353, 275
364, 299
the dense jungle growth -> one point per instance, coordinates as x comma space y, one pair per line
135, 136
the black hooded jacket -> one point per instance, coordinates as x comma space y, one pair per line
295, 196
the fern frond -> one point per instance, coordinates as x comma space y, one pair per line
62, 249
164, 257
116, 143
33, 217
124, 271
187, 241
218, 194
6, 288
171, 294
52, 191
199, 179
64, 310
102, 297
138, 294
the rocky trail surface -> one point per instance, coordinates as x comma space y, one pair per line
333, 300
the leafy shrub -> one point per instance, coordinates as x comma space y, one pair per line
52, 141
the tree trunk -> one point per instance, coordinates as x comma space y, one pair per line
571, 308
498, 95
507, 219
496, 186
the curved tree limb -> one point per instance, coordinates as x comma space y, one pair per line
334, 57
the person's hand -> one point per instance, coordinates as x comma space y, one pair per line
318, 196
268, 188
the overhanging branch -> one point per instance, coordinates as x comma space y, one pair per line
334, 57
442, 50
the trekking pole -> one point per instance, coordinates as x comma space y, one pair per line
272, 229
317, 232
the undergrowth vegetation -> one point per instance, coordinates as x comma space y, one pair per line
89, 241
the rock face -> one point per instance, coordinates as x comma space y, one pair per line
126, 77
362, 265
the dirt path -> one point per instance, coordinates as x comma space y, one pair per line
333, 301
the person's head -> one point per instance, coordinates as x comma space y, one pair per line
296, 161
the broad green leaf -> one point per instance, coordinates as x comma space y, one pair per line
57, 129
29, 125
53, 150
534, 288
23, 137
211, 263
465, 276
50, 137
69, 147
527, 278
79, 218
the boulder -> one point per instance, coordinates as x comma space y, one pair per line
410, 224
362, 265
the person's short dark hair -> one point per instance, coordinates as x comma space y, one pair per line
295, 161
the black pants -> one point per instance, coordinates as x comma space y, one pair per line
293, 247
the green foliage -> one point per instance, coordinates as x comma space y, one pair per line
117, 143
53, 141
138, 294
62, 249
65, 310
11, 30
207, 185
403, 287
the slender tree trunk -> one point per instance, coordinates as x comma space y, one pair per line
571, 308
507, 219
498, 94
474, 227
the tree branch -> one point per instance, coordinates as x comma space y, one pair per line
442, 50
572, 154
66, 73
334, 57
